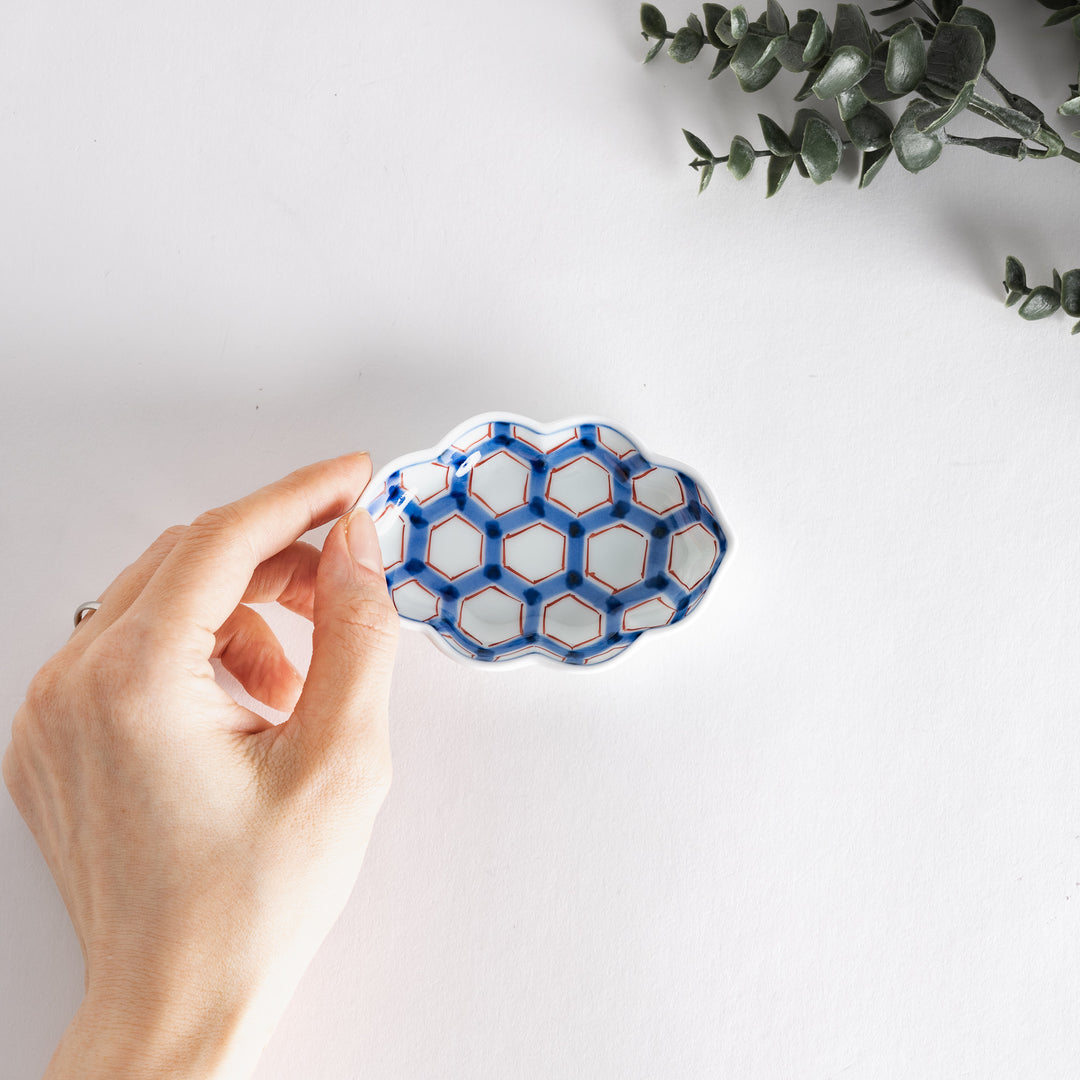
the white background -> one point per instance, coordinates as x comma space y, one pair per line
831, 828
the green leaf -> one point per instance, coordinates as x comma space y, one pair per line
906, 61
773, 50
933, 121
850, 102
777, 173
706, 176
713, 14
1014, 297
740, 23
956, 56
1070, 107
697, 145
819, 36
776, 138
653, 23
1041, 302
916, 150
723, 62
969, 16
744, 63
946, 8
657, 46
1015, 275
821, 149
776, 20
870, 128
850, 28
872, 164
741, 157
723, 31
1070, 293
686, 44
845, 69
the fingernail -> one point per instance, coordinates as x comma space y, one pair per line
363, 541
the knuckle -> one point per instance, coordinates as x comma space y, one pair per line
171, 536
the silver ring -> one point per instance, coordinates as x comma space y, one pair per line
84, 609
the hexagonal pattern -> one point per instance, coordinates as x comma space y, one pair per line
500, 482
659, 490
545, 444
563, 542
491, 617
580, 485
615, 441
415, 602
390, 527
426, 481
694, 552
535, 552
572, 622
615, 557
647, 614
455, 547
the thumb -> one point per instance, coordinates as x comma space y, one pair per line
347, 691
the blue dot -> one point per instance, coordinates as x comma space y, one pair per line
460, 499
493, 530
530, 639
620, 509
694, 509
484, 654
537, 506
492, 572
658, 582
392, 492
683, 604
532, 596
417, 520
573, 578
589, 444
414, 566
659, 531
449, 592
575, 530
614, 639
613, 604
539, 465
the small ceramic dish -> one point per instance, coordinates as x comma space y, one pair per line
513, 540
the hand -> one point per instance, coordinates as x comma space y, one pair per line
202, 852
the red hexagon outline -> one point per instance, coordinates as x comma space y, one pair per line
588, 509
442, 490
517, 431
600, 532
652, 509
390, 509
671, 554
503, 592
518, 573
492, 457
577, 599
641, 629
419, 585
480, 549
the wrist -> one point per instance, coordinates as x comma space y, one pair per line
202, 1034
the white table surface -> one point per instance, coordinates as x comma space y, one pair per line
829, 829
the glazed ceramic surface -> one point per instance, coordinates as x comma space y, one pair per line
514, 539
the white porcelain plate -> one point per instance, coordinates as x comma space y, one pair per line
512, 540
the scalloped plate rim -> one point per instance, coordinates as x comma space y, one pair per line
532, 659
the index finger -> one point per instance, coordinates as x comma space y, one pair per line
204, 577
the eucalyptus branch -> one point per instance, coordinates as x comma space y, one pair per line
1042, 301
930, 62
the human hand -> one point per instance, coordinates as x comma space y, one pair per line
202, 852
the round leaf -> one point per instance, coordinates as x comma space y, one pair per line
775, 137
969, 16
821, 149
741, 157
906, 61
686, 45
1070, 293
845, 69
916, 150
1015, 275
653, 23
777, 173
1040, 303
870, 128
956, 56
